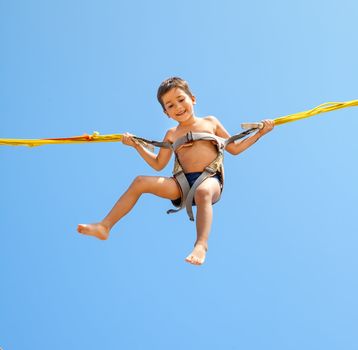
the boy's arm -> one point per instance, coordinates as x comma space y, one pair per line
156, 161
238, 147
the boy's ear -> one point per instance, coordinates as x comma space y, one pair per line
193, 98
165, 112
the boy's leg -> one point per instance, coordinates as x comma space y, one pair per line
160, 186
207, 193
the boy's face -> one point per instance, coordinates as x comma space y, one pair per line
178, 105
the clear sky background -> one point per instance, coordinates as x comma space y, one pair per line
281, 272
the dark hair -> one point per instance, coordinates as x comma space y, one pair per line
171, 83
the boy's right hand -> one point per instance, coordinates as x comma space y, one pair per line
127, 139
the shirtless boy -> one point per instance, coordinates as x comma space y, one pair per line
178, 104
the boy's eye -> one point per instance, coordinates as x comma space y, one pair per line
181, 100
170, 106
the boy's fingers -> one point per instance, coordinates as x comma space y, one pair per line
268, 125
127, 138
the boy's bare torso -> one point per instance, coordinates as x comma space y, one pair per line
195, 156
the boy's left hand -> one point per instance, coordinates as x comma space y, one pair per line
268, 126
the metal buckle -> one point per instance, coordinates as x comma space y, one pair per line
180, 171
210, 170
189, 136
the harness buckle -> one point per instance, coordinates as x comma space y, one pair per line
177, 172
189, 136
210, 170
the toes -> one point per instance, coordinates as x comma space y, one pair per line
190, 259
80, 228
194, 260
198, 261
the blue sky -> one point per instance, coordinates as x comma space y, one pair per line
282, 263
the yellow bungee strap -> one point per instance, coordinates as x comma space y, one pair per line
96, 137
323, 108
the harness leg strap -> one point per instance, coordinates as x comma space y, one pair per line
184, 187
189, 199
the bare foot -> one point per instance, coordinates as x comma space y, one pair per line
197, 256
97, 230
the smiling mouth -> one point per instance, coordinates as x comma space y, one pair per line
179, 114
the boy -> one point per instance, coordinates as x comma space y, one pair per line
198, 162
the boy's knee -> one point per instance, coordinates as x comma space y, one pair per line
139, 182
202, 195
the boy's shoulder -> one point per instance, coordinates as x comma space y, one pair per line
169, 134
210, 118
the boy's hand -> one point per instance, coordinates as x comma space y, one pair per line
268, 126
127, 139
